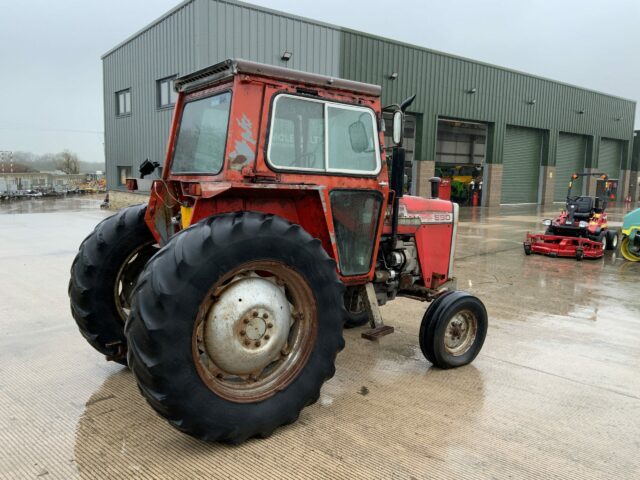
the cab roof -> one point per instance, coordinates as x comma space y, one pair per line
231, 67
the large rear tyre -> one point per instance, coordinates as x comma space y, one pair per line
103, 275
235, 326
453, 330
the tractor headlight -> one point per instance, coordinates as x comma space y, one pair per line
546, 222
583, 224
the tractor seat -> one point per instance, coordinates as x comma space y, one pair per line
582, 207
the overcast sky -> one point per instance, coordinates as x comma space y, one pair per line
51, 74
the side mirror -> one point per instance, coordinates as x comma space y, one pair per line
358, 137
147, 167
398, 120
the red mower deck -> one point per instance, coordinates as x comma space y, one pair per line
561, 246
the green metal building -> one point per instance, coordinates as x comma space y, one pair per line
521, 135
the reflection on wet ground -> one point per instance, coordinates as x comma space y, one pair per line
554, 393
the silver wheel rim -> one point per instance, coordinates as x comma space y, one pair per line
255, 331
460, 333
248, 326
614, 241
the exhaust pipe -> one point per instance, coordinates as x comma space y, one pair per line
435, 186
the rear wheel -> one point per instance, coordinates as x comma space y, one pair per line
453, 330
627, 250
235, 326
103, 275
601, 238
611, 240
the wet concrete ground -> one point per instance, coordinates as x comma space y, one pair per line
555, 393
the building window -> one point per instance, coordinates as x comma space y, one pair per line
123, 102
166, 92
123, 174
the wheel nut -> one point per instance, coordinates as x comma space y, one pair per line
254, 313
245, 321
257, 344
243, 333
247, 343
265, 315
267, 337
269, 325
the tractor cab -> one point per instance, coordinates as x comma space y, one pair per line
310, 148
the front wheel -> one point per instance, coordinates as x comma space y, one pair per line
354, 303
235, 326
453, 330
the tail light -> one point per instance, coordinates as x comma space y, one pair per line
192, 189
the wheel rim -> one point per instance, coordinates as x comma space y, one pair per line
460, 333
614, 241
128, 274
255, 331
625, 249
604, 242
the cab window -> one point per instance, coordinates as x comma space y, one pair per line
317, 136
202, 135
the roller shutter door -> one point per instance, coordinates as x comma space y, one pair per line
610, 157
570, 158
521, 165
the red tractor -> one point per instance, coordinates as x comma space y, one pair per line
580, 231
276, 223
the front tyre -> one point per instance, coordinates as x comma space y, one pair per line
356, 309
235, 326
453, 330
103, 275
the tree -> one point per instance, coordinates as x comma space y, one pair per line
68, 162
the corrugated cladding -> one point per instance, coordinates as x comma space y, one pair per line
159, 52
198, 33
443, 84
635, 159
243, 31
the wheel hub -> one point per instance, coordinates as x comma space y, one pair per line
248, 326
460, 333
